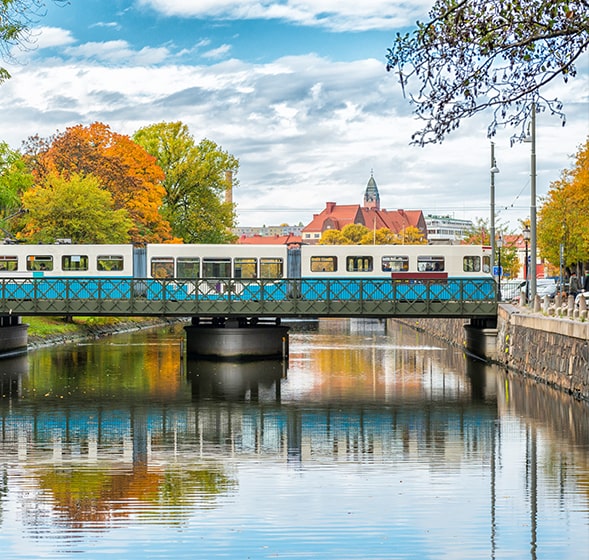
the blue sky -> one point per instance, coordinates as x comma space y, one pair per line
296, 90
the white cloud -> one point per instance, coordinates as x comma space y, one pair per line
305, 129
219, 52
47, 37
117, 52
338, 15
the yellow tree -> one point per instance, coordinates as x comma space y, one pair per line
563, 218
412, 235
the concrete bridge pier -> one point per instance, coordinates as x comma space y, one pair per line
480, 337
241, 338
13, 335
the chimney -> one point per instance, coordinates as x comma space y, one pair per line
329, 207
229, 187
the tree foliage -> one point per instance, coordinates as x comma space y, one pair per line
14, 179
564, 215
121, 166
17, 17
358, 234
477, 54
76, 208
196, 180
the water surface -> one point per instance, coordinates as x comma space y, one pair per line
368, 444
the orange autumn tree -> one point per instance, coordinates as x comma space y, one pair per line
121, 166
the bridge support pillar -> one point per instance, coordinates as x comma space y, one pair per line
13, 335
481, 338
236, 339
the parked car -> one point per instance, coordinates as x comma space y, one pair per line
578, 298
546, 287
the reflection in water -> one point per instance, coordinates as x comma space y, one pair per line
235, 381
400, 447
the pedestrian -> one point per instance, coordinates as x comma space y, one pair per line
586, 284
573, 284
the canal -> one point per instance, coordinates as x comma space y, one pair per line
373, 442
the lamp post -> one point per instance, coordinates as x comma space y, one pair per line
533, 237
526, 266
499, 246
494, 169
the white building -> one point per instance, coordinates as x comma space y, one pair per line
443, 230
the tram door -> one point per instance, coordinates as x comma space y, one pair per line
293, 264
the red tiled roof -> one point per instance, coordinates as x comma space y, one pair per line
269, 240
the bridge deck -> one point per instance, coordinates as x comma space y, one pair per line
237, 297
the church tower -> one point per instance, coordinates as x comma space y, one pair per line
371, 196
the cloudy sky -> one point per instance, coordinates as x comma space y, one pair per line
296, 89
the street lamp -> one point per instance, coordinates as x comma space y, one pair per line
499, 246
526, 266
533, 237
494, 169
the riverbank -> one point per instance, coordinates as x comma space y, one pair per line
49, 331
550, 350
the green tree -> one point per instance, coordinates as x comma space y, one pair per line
196, 182
564, 215
76, 208
477, 54
14, 180
17, 17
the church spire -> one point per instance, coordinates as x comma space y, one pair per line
371, 196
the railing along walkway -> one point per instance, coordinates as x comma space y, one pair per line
252, 297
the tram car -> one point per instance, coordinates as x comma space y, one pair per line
247, 272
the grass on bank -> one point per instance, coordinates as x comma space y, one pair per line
45, 327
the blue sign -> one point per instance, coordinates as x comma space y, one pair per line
497, 271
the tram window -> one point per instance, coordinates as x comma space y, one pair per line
359, 264
109, 263
271, 268
39, 262
486, 263
162, 267
245, 268
216, 268
395, 264
471, 263
323, 264
8, 264
430, 264
188, 267
71, 263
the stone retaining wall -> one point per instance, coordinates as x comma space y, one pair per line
551, 350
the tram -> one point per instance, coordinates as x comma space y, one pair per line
188, 271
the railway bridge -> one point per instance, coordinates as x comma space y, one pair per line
235, 317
